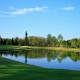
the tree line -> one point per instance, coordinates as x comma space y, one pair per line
50, 41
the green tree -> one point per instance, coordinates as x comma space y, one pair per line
26, 38
74, 43
60, 40
16, 41
49, 40
4, 41
12, 41
54, 39
8, 42
1, 40
67, 43
79, 43
21, 42
37, 41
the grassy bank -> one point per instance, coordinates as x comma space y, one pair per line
8, 47
54, 48
12, 70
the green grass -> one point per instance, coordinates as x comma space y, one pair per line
8, 47
54, 48
11, 47
12, 70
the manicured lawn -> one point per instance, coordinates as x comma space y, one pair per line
8, 47
12, 70
12, 47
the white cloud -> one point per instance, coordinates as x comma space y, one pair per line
69, 8
25, 10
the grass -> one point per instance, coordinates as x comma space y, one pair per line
11, 47
54, 48
8, 47
13, 70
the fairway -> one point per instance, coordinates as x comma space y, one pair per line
39, 39
12, 70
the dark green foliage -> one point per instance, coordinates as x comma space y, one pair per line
67, 43
21, 42
51, 40
16, 41
74, 43
41, 41
1, 40
12, 41
79, 43
37, 41
26, 39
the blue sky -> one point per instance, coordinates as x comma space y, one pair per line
39, 18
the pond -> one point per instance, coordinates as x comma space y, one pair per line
46, 58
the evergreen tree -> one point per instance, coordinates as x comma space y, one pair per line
1, 40
26, 38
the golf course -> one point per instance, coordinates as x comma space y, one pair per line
14, 70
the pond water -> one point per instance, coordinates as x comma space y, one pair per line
46, 58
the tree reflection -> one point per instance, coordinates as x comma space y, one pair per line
50, 55
26, 53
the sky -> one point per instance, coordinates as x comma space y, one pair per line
40, 18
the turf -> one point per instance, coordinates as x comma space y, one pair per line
8, 47
12, 47
12, 70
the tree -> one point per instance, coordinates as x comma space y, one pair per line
67, 43
4, 41
26, 38
79, 43
74, 43
49, 40
54, 41
60, 40
1, 40
16, 41
37, 41
8, 42
12, 41
21, 42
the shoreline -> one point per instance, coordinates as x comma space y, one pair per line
10, 68
12, 47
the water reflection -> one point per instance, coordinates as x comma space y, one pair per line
46, 58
